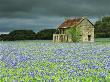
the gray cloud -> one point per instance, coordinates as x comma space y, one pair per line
9, 24
25, 8
40, 14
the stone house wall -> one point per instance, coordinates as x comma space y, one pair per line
87, 30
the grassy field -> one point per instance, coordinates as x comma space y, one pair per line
44, 61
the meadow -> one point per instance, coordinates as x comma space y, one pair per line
45, 61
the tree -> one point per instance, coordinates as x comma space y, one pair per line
21, 32
74, 33
46, 34
23, 35
102, 27
6, 37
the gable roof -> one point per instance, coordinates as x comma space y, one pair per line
71, 22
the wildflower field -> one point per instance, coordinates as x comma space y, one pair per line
45, 61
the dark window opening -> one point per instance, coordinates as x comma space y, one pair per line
89, 37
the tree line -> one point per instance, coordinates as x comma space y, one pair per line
102, 30
45, 34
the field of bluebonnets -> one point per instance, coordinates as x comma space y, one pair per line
44, 61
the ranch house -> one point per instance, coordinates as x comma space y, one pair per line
83, 25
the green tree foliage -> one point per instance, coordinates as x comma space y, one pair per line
6, 37
46, 34
74, 33
22, 32
23, 35
102, 27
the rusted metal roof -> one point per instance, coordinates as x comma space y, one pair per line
70, 22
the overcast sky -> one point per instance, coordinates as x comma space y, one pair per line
42, 14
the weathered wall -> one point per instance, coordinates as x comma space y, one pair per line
87, 29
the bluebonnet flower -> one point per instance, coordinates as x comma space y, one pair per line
1, 56
51, 80
42, 73
15, 80
36, 71
89, 65
67, 57
31, 73
43, 68
108, 56
95, 67
94, 51
13, 63
108, 64
102, 74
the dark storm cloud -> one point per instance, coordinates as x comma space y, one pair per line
41, 14
34, 8
9, 24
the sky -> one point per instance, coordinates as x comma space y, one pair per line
47, 14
